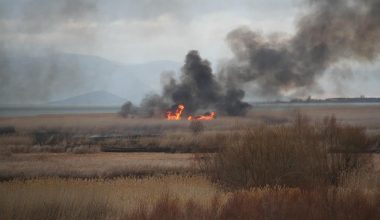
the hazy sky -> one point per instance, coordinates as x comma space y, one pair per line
137, 31
133, 31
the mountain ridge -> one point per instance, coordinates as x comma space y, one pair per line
95, 98
36, 79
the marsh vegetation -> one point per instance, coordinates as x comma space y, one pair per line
272, 164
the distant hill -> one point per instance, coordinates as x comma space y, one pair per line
338, 100
97, 98
36, 79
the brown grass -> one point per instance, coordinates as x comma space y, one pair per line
95, 199
74, 131
60, 133
358, 115
98, 165
270, 203
112, 123
301, 157
175, 197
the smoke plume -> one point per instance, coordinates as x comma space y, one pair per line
197, 89
332, 30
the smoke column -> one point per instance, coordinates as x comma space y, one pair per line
198, 90
331, 31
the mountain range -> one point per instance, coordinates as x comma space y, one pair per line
40, 79
96, 98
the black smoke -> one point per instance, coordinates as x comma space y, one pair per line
331, 31
198, 89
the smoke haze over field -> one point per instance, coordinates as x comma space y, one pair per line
37, 73
258, 49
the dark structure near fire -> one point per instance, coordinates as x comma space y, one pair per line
331, 31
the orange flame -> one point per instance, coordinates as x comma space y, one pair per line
205, 117
175, 115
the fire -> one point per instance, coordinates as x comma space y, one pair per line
205, 117
175, 115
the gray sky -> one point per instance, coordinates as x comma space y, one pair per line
131, 31
138, 31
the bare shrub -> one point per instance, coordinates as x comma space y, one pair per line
299, 155
127, 110
343, 138
346, 146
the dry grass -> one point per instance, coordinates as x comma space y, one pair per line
56, 142
16, 140
95, 187
175, 197
98, 165
94, 199
67, 133
271, 204
73, 132
376, 161
112, 123
359, 115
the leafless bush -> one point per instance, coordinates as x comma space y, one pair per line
300, 155
127, 110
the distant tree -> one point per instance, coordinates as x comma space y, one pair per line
127, 109
308, 99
